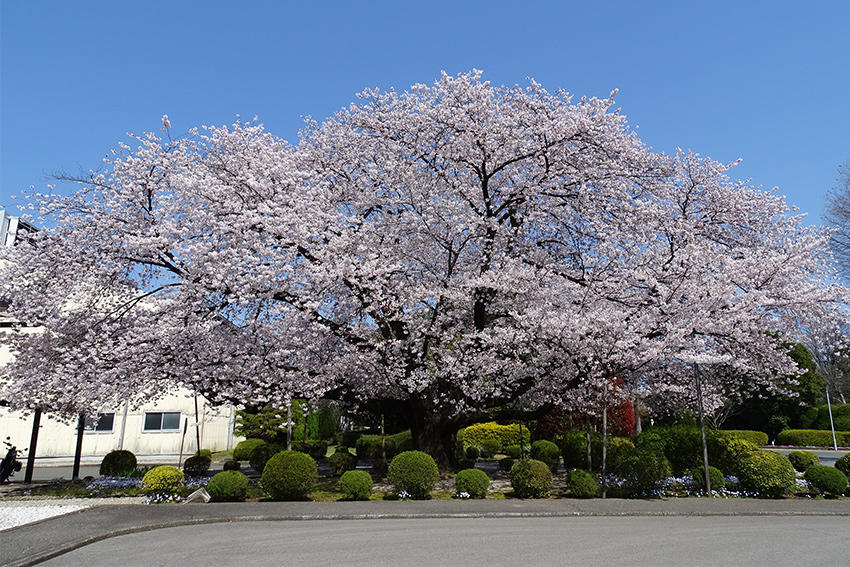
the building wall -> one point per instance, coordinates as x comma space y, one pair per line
58, 439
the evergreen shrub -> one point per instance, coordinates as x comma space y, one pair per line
582, 484
413, 472
197, 465
342, 461
547, 452
843, 464
802, 460
714, 475
261, 454
766, 473
164, 479
812, 438
228, 486
316, 448
826, 480
473, 452
117, 462
474, 482
356, 485
289, 475
531, 479
243, 449
489, 447
643, 471
232, 465
504, 434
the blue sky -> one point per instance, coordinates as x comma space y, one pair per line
768, 82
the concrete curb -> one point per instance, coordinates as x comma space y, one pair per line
34, 543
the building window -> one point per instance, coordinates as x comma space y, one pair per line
103, 422
162, 421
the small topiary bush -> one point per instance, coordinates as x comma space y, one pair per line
826, 480
356, 485
369, 446
582, 484
531, 479
289, 475
506, 463
117, 462
164, 479
349, 438
843, 464
547, 452
197, 465
714, 475
342, 461
232, 465
618, 448
516, 452
204, 453
228, 486
643, 471
474, 482
316, 448
414, 472
473, 452
768, 474
261, 455
489, 447
243, 449
802, 460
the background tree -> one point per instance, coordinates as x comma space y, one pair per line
443, 251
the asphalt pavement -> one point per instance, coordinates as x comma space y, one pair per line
32, 543
485, 542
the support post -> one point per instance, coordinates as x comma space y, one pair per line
123, 425
36, 423
831, 424
197, 425
604, 436
78, 452
289, 425
702, 431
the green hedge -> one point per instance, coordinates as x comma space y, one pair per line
812, 438
643, 471
506, 435
261, 454
582, 484
163, 479
755, 437
341, 461
369, 446
316, 448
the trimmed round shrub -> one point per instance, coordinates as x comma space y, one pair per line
650, 440
489, 447
715, 475
843, 464
515, 451
473, 452
574, 449
356, 485
289, 475
243, 449
228, 486
826, 480
413, 472
342, 461
531, 478
766, 473
261, 455
163, 479
547, 452
232, 465
506, 463
730, 452
643, 471
197, 465
582, 484
204, 453
117, 462
802, 460
474, 482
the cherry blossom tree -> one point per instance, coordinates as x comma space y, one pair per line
442, 251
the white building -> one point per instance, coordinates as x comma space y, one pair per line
158, 428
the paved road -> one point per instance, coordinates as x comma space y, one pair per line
826, 456
656, 541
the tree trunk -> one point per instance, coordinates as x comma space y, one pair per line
433, 433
